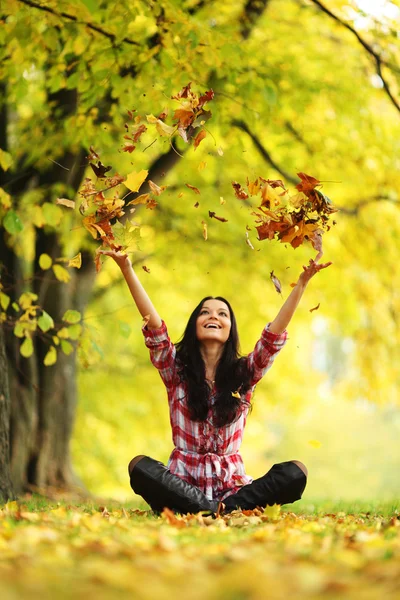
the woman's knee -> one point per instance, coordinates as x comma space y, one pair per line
134, 462
301, 466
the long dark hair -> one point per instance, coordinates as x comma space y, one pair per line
232, 373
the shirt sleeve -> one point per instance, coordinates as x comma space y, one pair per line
162, 353
266, 349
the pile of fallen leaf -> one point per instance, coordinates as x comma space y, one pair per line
74, 552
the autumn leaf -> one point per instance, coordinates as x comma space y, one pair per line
315, 443
307, 183
248, 242
156, 189
276, 282
212, 215
142, 199
191, 187
205, 234
146, 269
239, 191
76, 261
315, 307
199, 137
65, 202
134, 180
100, 170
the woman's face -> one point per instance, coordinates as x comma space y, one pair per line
213, 322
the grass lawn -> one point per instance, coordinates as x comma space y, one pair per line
60, 549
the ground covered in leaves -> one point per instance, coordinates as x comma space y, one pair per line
60, 550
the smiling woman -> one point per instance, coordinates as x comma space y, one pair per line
209, 387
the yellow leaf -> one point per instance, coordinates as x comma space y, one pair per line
162, 128
61, 273
142, 199
205, 233
135, 180
76, 261
202, 165
5, 199
236, 394
63, 333
51, 357
26, 299
26, 348
4, 301
45, 261
273, 512
315, 443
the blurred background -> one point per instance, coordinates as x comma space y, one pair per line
299, 86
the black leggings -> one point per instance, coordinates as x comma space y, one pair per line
284, 483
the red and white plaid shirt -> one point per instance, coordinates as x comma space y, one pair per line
205, 455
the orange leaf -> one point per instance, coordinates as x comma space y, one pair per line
239, 191
307, 184
315, 307
199, 137
191, 187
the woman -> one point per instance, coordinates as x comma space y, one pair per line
209, 390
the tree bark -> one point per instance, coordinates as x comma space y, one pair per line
6, 490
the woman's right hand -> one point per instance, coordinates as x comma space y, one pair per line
120, 258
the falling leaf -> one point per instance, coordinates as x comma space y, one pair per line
100, 170
212, 215
202, 165
292, 285
236, 395
196, 205
221, 200
142, 199
146, 269
248, 242
191, 187
307, 183
220, 151
276, 282
134, 180
199, 137
151, 203
156, 189
205, 235
239, 191
315, 307
146, 319
65, 202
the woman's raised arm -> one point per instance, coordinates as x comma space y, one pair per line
139, 294
288, 309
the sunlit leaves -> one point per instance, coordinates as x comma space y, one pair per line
72, 316
26, 348
51, 357
45, 261
61, 273
45, 322
12, 223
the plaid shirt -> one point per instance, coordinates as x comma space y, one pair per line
205, 455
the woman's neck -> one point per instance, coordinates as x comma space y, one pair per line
211, 353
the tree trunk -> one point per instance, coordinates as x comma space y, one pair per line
6, 491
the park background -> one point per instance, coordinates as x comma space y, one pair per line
299, 86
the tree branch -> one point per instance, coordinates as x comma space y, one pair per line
262, 150
251, 13
354, 212
96, 28
378, 60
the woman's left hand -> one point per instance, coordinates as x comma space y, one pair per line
312, 268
